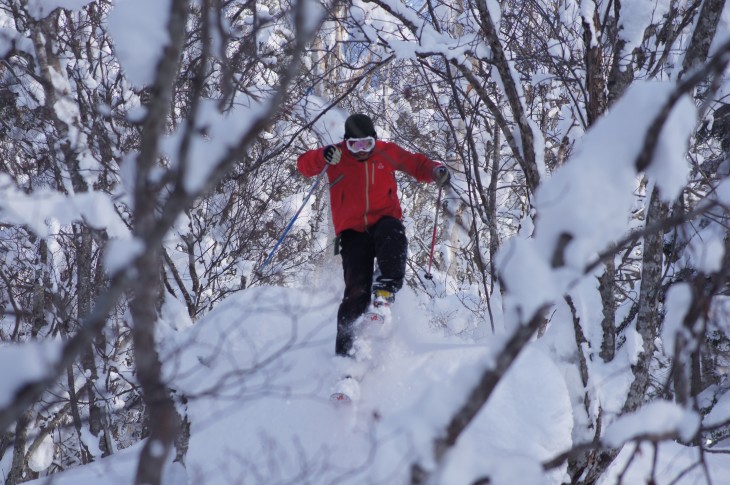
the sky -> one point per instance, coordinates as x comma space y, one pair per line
259, 368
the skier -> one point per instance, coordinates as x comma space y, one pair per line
367, 215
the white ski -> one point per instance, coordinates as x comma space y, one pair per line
346, 390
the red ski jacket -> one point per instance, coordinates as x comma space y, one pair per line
362, 192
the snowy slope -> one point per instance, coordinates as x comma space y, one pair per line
258, 371
276, 424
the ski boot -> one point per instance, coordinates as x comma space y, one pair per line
383, 298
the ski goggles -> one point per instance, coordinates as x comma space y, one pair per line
360, 144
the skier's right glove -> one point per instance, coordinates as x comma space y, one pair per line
332, 154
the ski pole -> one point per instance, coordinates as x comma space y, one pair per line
429, 276
291, 222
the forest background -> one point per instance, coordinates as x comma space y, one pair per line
147, 157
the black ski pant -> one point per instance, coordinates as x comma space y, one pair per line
386, 241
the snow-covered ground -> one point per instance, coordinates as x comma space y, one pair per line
259, 370
276, 424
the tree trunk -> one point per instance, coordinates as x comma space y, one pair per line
40, 290
162, 417
84, 295
703, 34
607, 289
18, 466
648, 318
596, 104
647, 325
494, 242
528, 158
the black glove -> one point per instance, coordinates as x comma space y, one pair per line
441, 176
331, 154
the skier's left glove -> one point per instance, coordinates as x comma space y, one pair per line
441, 176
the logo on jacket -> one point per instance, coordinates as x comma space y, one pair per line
380, 166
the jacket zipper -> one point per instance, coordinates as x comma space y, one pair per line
367, 195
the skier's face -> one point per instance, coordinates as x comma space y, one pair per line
362, 156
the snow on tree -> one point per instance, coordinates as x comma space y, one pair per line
576, 327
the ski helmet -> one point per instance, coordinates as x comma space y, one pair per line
359, 126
